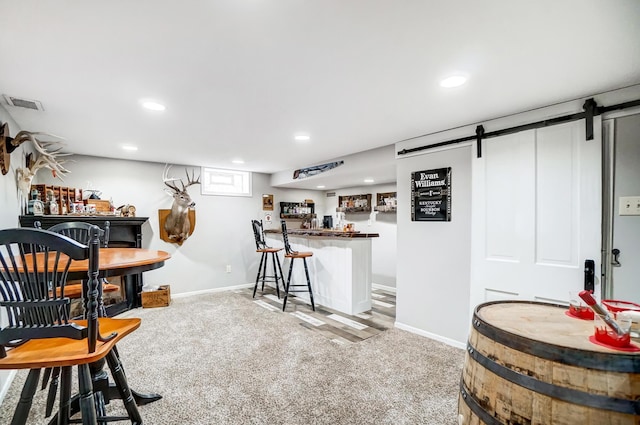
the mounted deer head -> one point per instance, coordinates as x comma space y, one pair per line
177, 224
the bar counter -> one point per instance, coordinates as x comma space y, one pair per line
325, 233
340, 269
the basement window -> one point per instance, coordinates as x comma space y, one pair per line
220, 182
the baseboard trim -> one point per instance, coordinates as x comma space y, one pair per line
448, 341
213, 290
384, 287
6, 384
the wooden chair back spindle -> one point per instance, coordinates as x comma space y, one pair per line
285, 238
258, 234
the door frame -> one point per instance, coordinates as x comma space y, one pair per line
608, 203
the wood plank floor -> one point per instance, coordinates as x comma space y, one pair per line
336, 326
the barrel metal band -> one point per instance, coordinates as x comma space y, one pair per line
624, 363
565, 394
475, 407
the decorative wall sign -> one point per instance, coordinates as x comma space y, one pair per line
431, 195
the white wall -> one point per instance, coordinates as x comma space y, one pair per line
9, 214
434, 258
384, 248
222, 235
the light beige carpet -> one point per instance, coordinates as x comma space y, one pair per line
222, 359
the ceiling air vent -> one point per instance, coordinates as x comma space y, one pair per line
331, 194
23, 103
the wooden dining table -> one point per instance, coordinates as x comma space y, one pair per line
120, 262
124, 262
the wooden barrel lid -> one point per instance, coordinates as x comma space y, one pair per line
544, 330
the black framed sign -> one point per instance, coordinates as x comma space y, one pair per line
431, 195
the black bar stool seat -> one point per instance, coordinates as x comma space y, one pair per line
292, 255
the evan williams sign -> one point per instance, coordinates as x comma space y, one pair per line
431, 195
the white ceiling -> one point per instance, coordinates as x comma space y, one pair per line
241, 77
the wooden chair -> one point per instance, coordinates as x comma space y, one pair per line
261, 246
39, 333
79, 231
292, 255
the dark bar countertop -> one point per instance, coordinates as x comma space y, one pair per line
327, 233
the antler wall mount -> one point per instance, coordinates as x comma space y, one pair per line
48, 158
5, 148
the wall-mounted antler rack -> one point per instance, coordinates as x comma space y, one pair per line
6, 147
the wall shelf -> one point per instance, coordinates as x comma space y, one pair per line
297, 210
354, 203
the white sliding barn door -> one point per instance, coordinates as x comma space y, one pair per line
536, 214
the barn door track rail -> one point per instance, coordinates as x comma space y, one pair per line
590, 110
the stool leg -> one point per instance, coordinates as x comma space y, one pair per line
53, 390
280, 269
275, 273
258, 275
120, 379
286, 289
26, 398
64, 412
264, 269
306, 271
87, 400
45, 378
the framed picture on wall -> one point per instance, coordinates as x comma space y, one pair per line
267, 202
431, 195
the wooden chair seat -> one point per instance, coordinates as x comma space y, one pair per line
268, 250
299, 254
58, 352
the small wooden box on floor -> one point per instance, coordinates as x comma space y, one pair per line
159, 298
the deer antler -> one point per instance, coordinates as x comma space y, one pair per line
166, 179
49, 158
190, 180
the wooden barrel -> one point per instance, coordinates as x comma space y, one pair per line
529, 363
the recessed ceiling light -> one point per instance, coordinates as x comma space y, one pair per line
320, 186
129, 148
368, 180
238, 161
153, 106
453, 81
302, 137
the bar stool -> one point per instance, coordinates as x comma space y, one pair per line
261, 246
292, 255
